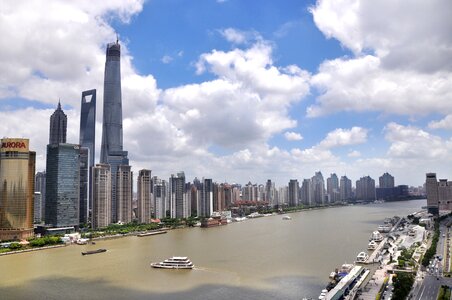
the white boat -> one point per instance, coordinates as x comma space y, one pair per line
376, 236
372, 245
286, 218
384, 228
175, 262
362, 257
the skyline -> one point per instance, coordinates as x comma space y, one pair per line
236, 96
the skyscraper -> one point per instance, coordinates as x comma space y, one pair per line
365, 189
294, 188
345, 188
62, 185
58, 126
88, 124
159, 197
386, 181
112, 148
332, 188
124, 193
431, 186
144, 196
306, 192
40, 187
101, 183
206, 198
88, 142
17, 171
177, 196
318, 186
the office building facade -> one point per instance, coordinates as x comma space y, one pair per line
17, 171
87, 141
124, 193
62, 185
112, 152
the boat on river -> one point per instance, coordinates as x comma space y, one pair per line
94, 251
151, 233
175, 262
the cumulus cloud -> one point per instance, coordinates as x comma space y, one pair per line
354, 153
292, 136
238, 37
342, 137
402, 62
415, 143
445, 123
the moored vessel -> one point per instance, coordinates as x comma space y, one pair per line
94, 251
175, 262
362, 257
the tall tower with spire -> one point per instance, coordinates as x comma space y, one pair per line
58, 126
112, 152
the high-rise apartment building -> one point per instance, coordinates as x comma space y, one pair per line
40, 187
37, 203
124, 193
431, 186
178, 203
345, 188
58, 126
159, 193
112, 152
318, 188
101, 183
17, 171
294, 188
365, 189
332, 188
270, 193
306, 192
144, 196
87, 151
62, 185
206, 198
386, 181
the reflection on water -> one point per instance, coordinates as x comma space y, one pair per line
262, 258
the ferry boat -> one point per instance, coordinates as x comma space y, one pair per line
372, 245
175, 262
376, 236
385, 228
94, 251
286, 218
362, 257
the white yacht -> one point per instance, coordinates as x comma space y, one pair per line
175, 262
286, 218
376, 236
372, 245
362, 257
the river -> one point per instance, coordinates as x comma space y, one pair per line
263, 258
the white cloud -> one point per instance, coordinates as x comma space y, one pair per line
166, 59
414, 143
354, 153
292, 136
445, 123
342, 137
402, 62
238, 37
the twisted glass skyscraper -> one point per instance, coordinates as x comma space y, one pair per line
111, 150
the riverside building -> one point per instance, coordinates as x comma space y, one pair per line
87, 142
101, 183
144, 197
112, 152
17, 170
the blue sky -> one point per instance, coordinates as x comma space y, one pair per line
243, 90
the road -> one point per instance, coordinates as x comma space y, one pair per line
427, 289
